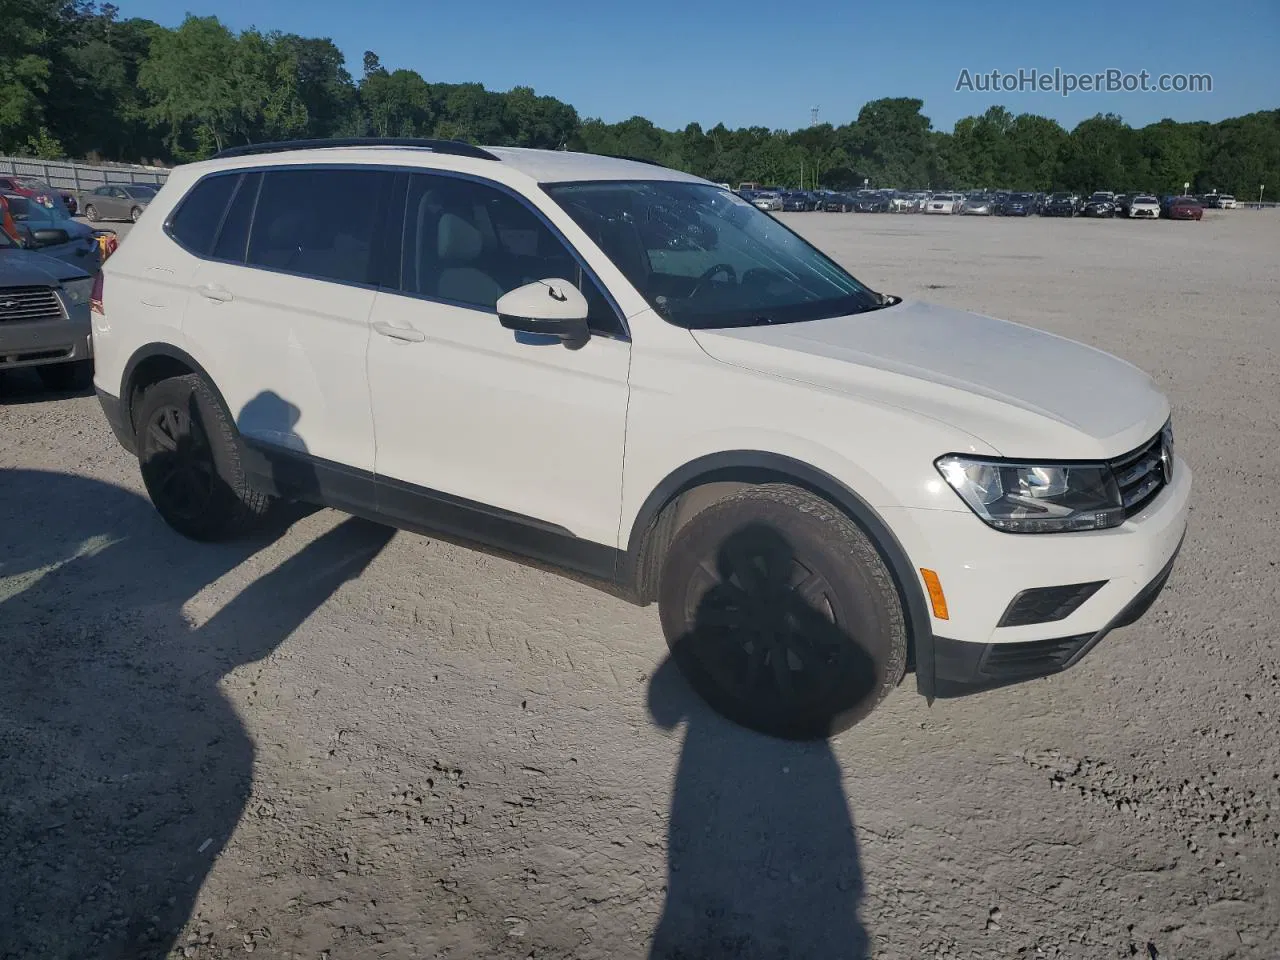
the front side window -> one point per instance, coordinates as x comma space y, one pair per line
318, 223
705, 258
470, 243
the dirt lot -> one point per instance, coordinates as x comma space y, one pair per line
335, 742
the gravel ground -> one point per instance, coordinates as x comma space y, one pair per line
336, 742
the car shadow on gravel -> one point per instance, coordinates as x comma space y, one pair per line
762, 857
123, 768
23, 386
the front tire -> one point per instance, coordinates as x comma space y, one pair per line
782, 614
91, 212
191, 460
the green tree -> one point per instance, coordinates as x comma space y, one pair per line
893, 141
397, 104
324, 86
1034, 154
191, 77
1241, 155
25, 66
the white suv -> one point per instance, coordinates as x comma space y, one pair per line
633, 373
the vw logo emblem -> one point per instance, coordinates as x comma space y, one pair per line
9, 304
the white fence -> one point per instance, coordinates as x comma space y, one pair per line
66, 175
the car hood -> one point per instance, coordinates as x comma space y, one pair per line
26, 268
1023, 392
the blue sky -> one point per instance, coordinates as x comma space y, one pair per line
752, 62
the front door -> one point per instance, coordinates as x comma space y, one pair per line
465, 410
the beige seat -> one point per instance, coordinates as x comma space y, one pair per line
459, 246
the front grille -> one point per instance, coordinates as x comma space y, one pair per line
1047, 604
1140, 474
1036, 657
22, 304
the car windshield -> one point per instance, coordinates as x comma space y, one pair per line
1021, 197
40, 209
1144, 199
703, 258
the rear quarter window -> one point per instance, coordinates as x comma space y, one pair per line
196, 221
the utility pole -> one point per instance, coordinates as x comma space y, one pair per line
813, 116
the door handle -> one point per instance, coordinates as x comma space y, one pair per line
408, 334
211, 291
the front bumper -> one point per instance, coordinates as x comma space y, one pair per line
961, 668
42, 342
983, 571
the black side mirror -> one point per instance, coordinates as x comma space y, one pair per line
50, 237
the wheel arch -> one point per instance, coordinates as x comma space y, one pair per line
150, 364
673, 501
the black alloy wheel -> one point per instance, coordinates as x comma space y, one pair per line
182, 475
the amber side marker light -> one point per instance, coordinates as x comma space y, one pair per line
937, 598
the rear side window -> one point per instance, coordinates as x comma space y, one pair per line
318, 223
195, 223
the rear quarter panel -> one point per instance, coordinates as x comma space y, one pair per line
145, 285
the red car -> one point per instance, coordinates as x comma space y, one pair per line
35, 189
1185, 208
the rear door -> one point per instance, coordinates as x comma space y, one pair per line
278, 312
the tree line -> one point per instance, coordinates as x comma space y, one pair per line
77, 80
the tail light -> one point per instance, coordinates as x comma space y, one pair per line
95, 297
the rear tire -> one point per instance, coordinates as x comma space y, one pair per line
135, 213
191, 459
782, 614
74, 376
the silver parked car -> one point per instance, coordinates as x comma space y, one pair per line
767, 201
118, 201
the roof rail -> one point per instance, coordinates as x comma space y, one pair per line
620, 156
457, 148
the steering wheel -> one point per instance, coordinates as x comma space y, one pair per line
712, 271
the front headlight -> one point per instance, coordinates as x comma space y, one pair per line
78, 291
1036, 498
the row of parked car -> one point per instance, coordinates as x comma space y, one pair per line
50, 270
996, 203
